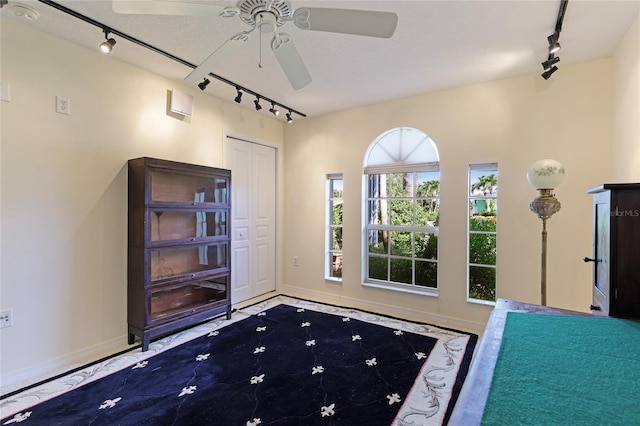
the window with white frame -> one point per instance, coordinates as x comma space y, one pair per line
482, 226
402, 193
333, 257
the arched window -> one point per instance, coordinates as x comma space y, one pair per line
402, 193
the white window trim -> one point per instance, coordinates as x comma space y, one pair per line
328, 234
479, 167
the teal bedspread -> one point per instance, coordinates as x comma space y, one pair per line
566, 370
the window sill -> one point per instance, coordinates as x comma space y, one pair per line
481, 302
424, 291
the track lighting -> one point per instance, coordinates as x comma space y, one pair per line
107, 45
257, 104
289, 119
546, 65
204, 83
554, 44
547, 73
238, 97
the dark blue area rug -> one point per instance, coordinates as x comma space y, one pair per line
292, 363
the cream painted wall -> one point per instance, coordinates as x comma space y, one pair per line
63, 186
626, 108
64, 189
513, 122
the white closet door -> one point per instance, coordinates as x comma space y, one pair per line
253, 199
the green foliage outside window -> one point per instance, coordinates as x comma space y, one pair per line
407, 256
482, 251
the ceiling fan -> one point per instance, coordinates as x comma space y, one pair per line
267, 16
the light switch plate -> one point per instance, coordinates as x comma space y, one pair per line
5, 92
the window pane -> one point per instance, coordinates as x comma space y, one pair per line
426, 274
427, 211
402, 185
482, 222
402, 212
378, 186
401, 243
336, 188
378, 212
378, 268
482, 283
426, 246
336, 265
336, 216
483, 183
401, 271
428, 184
336, 239
378, 241
482, 249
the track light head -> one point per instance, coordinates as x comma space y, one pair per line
289, 119
548, 72
257, 104
238, 97
546, 65
107, 45
273, 109
204, 83
554, 44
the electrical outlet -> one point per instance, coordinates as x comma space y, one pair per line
63, 105
6, 318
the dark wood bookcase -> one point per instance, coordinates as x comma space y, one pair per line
178, 246
616, 250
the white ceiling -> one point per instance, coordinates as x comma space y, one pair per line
437, 45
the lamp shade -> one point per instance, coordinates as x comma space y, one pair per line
545, 174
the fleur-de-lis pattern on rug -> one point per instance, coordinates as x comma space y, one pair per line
326, 368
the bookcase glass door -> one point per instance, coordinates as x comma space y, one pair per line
169, 225
184, 188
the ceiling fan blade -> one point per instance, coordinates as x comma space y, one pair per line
166, 7
346, 21
221, 53
290, 61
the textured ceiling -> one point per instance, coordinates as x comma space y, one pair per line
437, 45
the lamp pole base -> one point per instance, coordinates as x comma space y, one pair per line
544, 206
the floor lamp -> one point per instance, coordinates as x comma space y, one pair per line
545, 175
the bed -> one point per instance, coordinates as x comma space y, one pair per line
600, 369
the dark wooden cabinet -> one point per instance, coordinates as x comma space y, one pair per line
616, 250
179, 246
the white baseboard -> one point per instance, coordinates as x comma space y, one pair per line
382, 308
52, 367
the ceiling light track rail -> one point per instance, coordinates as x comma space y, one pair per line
554, 43
109, 30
